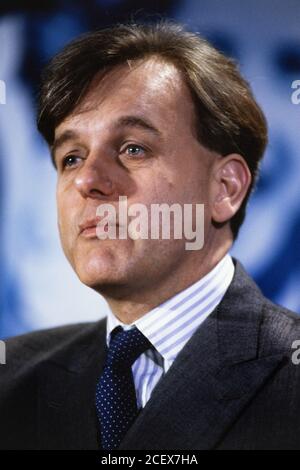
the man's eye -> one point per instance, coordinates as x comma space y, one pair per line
69, 161
133, 150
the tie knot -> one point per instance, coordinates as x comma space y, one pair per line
126, 346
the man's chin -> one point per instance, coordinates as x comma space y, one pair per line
97, 277
97, 263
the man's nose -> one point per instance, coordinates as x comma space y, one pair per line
95, 179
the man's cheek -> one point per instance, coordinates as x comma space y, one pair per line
65, 233
63, 236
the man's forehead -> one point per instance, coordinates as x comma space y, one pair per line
153, 74
150, 87
135, 82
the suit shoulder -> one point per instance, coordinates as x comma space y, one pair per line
277, 312
280, 327
42, 344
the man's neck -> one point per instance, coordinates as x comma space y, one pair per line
130, 309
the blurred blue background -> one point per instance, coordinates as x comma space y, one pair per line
38, 288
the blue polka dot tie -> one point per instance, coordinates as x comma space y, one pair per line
115, 392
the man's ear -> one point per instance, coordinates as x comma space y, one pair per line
231, 179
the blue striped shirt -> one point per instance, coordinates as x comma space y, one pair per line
171, 324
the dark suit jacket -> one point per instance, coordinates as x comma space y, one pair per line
232, 386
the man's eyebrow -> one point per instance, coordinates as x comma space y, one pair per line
66, 136
137, 121
123, 121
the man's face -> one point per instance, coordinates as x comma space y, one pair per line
110, 151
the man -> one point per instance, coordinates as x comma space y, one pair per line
191, 355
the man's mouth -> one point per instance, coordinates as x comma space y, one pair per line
90, 232
88, 229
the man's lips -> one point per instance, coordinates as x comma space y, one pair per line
89, 232
88, 228
88, 225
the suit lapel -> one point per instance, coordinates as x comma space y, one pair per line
212, 379
66, 404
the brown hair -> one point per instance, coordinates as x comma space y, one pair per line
228, 118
